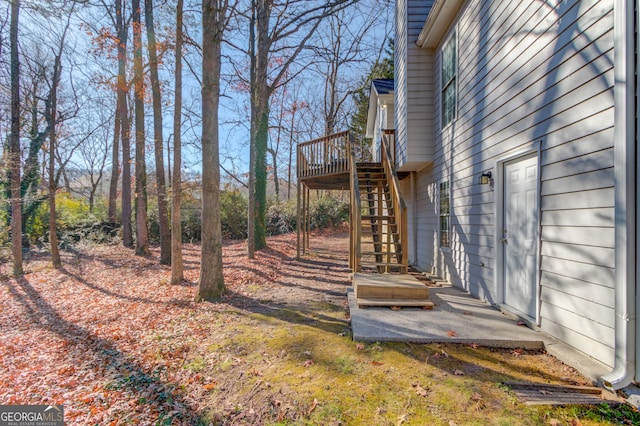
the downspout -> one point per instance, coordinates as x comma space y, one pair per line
414, 218
625, 198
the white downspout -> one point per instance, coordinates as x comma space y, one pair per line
414, 217
625, 197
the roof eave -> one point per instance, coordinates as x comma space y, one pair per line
442, 14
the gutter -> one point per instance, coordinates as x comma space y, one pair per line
625, 197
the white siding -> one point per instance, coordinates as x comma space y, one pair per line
530, 77
413, 87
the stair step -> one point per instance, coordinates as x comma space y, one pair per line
381, 253
384, 287
377, 217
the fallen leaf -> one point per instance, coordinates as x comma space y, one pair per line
402, 419
474, 345
451, 333
476, 396
575, 422
517, 352
360, 346
210, 386
458, 373
555, 422
521, 323
452, 423
313, 406
467, 313
395, 308
420, 391
308, 363
376, 363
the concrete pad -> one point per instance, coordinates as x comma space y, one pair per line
458, 317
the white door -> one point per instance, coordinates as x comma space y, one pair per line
520, 234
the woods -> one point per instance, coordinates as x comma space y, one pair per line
98, 128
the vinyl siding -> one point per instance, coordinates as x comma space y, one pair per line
531, 77
413, 87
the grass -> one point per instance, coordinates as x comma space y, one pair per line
295, 367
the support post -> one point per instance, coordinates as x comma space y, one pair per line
298, 225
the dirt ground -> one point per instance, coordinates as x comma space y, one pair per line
107, 337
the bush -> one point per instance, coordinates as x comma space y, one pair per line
281, 218
74, 223
324, 212
233, 214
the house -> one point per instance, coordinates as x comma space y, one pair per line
515, 135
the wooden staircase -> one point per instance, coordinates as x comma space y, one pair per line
381, 240
378, 216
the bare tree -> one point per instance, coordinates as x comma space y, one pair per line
177, 266
163, 215
142, 231
122, 125
51, 113
288, 33
16, 209
214, 16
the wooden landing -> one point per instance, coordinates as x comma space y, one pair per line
390, 290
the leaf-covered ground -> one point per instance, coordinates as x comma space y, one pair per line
111, 340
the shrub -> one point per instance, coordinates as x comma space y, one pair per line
233, 214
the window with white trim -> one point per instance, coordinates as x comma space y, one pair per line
449, 77
445, 214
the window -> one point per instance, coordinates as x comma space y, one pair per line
445, 214
449, 74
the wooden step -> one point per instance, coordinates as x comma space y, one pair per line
377, 217
386, 287
381, 253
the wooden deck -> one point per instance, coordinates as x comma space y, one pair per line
390, 290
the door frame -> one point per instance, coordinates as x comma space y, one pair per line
499, 215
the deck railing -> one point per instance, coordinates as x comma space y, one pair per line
398, 201
324, 156
390, 136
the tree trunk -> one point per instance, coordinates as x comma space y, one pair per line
276, 183
142, 231
16, 208
51, 115
211, 284
125, 129
251, 204
177, 267
115, 167
122, 115
261, 115
158, 140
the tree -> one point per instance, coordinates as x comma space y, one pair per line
295, 18
16, 209
142, 231
122, 125
51, 113
211, 284
177, 267
163, 216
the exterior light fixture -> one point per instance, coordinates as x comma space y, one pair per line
485, 178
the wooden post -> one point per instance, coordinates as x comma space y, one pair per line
308, 222
298, 225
